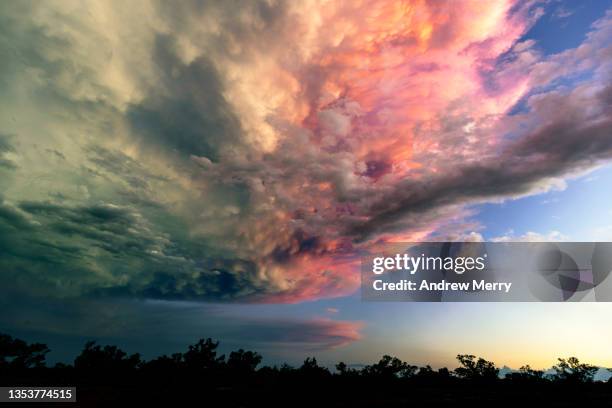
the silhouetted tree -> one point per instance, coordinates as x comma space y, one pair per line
286, 369
426, 373
311, 368
203, 356
17, 354
444, 372
473, 369
164, 363
390, 367
345, 371
572, 370
108, 358
526, 374
268, 371
237, 381
243, 361
429, 376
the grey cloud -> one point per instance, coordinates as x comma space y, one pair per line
158, 191
13, 218
56, 153
254, 26
318, 334
7, 164
34, 49
574, 141
103, 250
187, 110
120, 165
6, 146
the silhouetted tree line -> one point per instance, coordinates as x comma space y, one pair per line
202, 366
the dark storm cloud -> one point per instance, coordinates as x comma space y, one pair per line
6, 147
115, 163
237, 151
7, 164
187, 111
12, 218
104, 250
576, 139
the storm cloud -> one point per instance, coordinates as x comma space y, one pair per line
221, 151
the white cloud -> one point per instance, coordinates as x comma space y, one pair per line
530, 236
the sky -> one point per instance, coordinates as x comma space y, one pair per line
214, 169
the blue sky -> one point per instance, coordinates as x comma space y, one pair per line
565, 24
580, 211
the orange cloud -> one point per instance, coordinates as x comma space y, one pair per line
380, 80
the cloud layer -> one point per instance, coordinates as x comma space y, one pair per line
249, 151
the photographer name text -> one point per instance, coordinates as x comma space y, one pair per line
422, 263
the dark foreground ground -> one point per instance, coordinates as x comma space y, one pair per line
173, 389
106, 376
419, 397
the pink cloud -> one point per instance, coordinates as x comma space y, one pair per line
406, 123
381, 82
314, 334
420, 104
